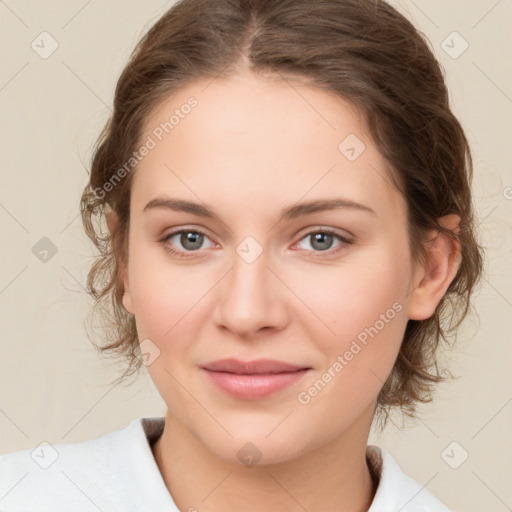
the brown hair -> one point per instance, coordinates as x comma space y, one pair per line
365, 52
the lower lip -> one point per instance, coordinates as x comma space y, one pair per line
255, 386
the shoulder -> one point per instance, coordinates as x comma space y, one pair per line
397, 491
87, 475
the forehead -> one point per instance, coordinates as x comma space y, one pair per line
249, 139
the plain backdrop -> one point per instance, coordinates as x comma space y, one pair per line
53, 385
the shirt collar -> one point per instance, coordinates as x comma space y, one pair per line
395, 491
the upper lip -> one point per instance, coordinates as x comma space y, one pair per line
252, 367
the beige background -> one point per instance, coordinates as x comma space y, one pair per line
54, 387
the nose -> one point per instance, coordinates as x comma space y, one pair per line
251, 299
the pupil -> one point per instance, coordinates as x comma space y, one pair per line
321, 241
191, 237
322, 238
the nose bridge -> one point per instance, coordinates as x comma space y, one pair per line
250, 299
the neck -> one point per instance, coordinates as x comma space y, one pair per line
334, 476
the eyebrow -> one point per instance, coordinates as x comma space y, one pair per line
290, 212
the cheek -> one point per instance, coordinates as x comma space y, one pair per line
168, 299
354, 295
169, 303
357, 360
364, 309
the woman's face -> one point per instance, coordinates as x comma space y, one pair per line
259, 277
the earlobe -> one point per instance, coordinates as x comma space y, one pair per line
112, 224
127, 301
127, 298
434, 277
112, 220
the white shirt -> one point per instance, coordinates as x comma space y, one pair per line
118, 473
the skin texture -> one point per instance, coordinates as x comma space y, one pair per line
250, 148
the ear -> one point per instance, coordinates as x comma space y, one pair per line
432, 279
112, 224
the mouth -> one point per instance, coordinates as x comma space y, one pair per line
253, 380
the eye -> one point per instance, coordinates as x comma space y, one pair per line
321, 241
190, 239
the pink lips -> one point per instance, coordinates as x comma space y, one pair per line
252, 380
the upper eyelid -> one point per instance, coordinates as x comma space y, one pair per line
310, 230
319, 229
186, 229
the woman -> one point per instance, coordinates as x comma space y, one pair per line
288, 199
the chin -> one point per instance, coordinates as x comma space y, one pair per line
254, 444
256, 453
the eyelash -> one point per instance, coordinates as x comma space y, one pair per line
184, 254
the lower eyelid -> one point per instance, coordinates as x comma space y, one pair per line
343, 241
165, 242
172, 234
